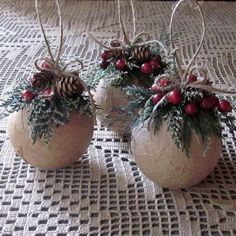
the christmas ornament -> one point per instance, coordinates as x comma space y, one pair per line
163, 162
52, 118
178, 138
124, 63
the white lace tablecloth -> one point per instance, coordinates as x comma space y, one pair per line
105, 193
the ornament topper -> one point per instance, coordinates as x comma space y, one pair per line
185, 73
62, 75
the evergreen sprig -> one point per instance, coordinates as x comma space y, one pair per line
206, 124
44, 113
131, 75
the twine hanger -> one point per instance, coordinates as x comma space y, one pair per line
54, 61
139, 39
204, 84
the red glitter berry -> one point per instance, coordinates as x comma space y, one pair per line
206, 104
192, 78
155, 88
158, 59
106, 55
214, 100
164, 82
146, 68
27, 95
48, 91
154, 64
224, 106
104, 65
191, 109
45, 65
174, 96
120, 64
157, 97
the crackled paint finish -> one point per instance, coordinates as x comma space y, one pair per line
162, 162
110, 99
67, 145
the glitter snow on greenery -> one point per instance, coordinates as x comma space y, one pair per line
45, 112
205, 123
135, 64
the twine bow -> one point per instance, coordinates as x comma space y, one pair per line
53, 62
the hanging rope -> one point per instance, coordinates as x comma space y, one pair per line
43, 32
139, 39
183, 73
54, 63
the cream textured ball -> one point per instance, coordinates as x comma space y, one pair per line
162, 162
110, 100
67, 145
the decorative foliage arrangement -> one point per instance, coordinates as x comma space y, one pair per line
127, 62
51, 94
185, 100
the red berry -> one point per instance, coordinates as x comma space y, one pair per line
206, 104
155, 88
104, 65
174, 96
191, 109
120, 64
48, 91
154, 64
27, 95
164, 82
146, 68
192, 78
158, 59
224, 106
214, 100
45, 65
106, 55
157, 97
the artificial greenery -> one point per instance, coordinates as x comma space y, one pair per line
206, 124
132, 74
45, 113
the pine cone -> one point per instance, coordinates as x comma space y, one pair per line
69, 87
42, 79
140, 53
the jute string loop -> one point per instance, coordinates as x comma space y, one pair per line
137, 39
183, 82
54, 62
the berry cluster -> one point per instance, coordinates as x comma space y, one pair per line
45, 84
136, 58
38, 83
191, 107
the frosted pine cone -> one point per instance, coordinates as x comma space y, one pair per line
42, 79
141, 53
69, 87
